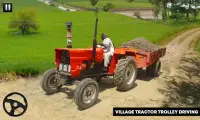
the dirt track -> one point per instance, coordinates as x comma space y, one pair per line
148, 92
145, 14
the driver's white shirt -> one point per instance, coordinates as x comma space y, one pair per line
109, 46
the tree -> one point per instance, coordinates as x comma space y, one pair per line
164, 10
108, 6
178, 12
24, 22
156, 8
1, 3
94, 2
189, 3
191, 7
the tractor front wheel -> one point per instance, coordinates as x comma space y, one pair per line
49, 83
86, 93
154, 69
125, 73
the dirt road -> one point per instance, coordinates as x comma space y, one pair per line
180, 70
145, 14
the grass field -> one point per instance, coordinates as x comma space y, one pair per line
37, 51
198, 46
117, 3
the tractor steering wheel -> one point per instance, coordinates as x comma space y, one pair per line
15, 105
99, 46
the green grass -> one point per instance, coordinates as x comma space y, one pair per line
19, 53
198, 45
117, 3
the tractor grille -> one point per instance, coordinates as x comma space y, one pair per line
65, 61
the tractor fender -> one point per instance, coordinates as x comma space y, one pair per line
124, 52
117, 56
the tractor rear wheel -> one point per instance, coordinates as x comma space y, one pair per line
86, 93
154, 69
49, 83
125, 73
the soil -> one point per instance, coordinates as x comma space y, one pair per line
145, 13
140, 43
178, 85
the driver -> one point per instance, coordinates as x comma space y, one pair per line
108, 47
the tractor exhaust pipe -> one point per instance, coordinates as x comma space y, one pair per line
69, 35
95, 36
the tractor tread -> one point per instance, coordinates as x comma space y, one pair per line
79, 93
154, 69
120, 71
44, 81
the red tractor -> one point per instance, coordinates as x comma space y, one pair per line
86, 65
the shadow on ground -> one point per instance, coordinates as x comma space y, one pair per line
69, 92
104, 84
194, 69
142, 75
17, 32
183, 90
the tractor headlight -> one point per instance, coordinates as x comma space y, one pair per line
61, 66
65, 68
69, 68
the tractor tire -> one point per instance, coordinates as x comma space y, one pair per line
49, 76
86, 93
154, 69
125, 73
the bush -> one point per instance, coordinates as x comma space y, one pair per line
25, 72
24, 22
108, 6
94, 2
138, 15
130, 0
178, 13
177, 16
198, 45
52, 4
194, 12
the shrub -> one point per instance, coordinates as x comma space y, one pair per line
25, 72
194, 12
138, 15
94, 2
178, 13
52, 4
108, 6
24, 22
130, 0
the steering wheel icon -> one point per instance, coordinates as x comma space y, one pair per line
14, 104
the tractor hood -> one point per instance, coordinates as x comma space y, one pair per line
83, 53
76, 56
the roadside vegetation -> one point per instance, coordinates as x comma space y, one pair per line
198, 45
32, 54
101, 3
